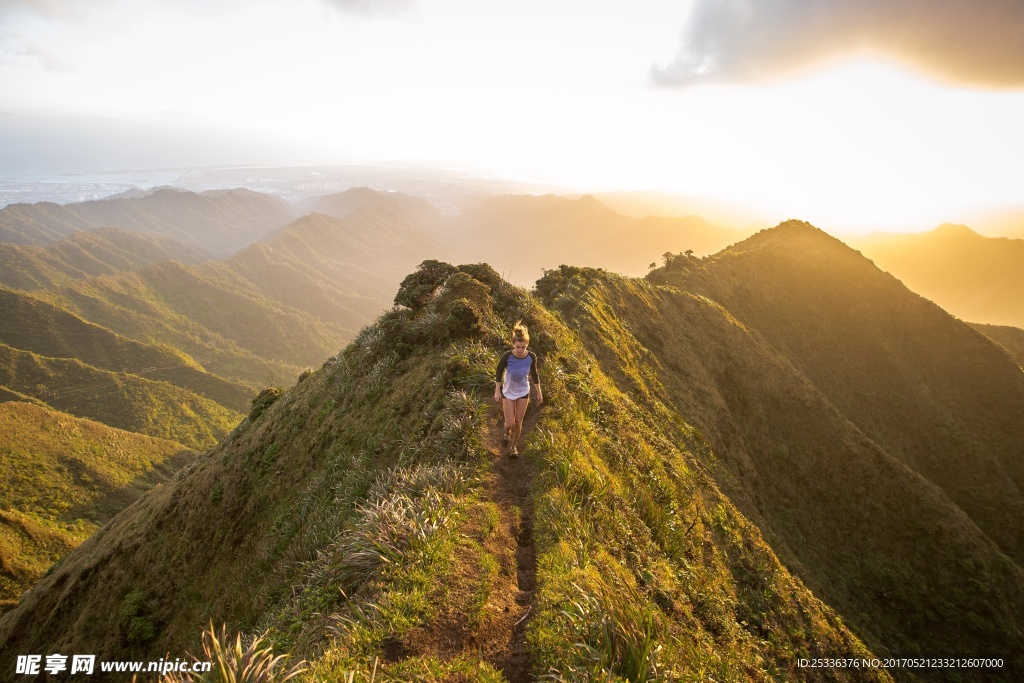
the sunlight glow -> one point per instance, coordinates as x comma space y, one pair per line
856, 145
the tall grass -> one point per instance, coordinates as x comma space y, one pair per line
618, 631
234, 662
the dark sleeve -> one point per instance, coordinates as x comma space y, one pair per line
533, 368
502, 364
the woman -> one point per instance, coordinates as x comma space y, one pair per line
512, 385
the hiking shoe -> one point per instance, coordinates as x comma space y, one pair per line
505, 439
513, 452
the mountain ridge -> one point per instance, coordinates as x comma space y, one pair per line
698, 492
878, 350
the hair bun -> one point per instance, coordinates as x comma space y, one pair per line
520, 332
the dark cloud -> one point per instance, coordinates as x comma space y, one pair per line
977, 43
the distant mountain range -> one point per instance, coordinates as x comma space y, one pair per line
978, 279
218, 221
772, 453
520, 235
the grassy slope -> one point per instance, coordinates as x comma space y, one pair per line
48, 330
65, 476
85, 254
156, 305
933, 392
380, 455
888, 551
120, 400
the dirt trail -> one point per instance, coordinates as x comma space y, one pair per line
500, 635
513, 546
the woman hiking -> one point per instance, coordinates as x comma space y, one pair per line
512, 385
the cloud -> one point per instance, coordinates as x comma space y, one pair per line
372, 6
975, 43
62, 10
16, 51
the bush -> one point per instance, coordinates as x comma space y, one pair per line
264, 400
418, 288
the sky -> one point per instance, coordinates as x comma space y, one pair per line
855, 114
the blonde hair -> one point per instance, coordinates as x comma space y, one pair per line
520, 333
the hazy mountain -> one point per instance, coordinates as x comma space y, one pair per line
344, 269
933, 392
63, 478
521, 234
721, 212
274, 307
218, 221
975, 278
692, 502
397, 206
103, 251
1010, 338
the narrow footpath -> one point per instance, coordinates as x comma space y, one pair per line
513, 546
499, 637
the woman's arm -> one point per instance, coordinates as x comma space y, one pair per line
499, 376
535, 376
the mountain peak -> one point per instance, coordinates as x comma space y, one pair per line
791, 233
954, 230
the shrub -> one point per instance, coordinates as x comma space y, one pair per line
418, 288
264, 400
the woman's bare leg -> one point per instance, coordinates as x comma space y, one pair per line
509, 407
520, 413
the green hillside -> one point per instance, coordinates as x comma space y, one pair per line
932, 391
47, 330
858, 527
973, 277
64, 477
400, 413
689, 507
104, 251
171, 304
125, 401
